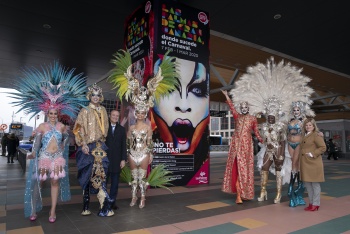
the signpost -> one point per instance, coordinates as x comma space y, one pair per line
3, 127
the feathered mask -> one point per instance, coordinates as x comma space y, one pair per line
165, 81
52, 87
272, 88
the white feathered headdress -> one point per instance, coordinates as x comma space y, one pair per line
272, 88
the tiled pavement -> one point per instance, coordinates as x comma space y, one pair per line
200, 209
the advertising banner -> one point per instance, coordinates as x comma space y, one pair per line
139, 39
179, 121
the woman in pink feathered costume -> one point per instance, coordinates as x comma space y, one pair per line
49, 145
55, 91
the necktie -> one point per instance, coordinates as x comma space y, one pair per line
113, 127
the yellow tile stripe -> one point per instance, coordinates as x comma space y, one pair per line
249, 223
339, 177
29, 230
208, 206
139, 231
342, 172
326, 197
179, 188
2, 227
2, 213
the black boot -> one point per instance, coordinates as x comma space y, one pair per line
86, 201
12, 160
291, 195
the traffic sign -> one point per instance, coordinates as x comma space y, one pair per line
3, 127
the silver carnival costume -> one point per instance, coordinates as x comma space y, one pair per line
139, 141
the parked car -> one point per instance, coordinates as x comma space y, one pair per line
25, 144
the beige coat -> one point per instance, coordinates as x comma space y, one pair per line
311, 169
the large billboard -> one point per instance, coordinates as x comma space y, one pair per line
180, 120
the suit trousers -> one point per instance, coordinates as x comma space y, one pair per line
113, 191
332, 154
314, 192
3, 147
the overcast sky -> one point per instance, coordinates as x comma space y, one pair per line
8, 111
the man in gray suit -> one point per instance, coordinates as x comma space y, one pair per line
116, 143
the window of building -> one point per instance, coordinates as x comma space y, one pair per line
214, 123
224, 123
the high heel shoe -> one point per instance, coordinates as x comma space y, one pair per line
314, 208
308, 208
52, 219
279, 187
133, 201
239, 200
263, 192
277, 198
142, 202
33, 217
263, 196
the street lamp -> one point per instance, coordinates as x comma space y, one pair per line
36, 117
13, 116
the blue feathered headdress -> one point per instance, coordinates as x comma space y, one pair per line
52, 87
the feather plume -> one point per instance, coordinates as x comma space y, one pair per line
264, 81
128, 86
53, 86
120, 75
159, 177
125, 175
164, 82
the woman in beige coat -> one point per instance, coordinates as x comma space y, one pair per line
311, 165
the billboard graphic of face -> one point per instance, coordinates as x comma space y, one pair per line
186, 108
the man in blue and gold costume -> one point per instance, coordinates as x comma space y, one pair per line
90, 131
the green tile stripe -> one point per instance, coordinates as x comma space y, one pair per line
219, 229
338, 225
